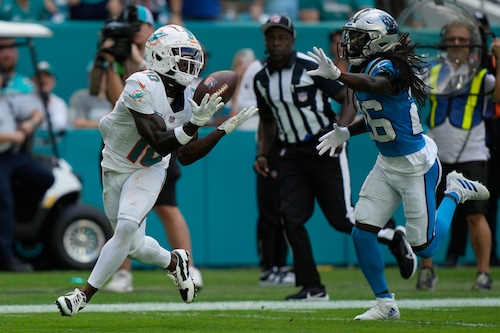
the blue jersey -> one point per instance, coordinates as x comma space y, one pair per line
392, 120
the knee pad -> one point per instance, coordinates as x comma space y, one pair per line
125, 231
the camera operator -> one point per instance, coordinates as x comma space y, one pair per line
121, 49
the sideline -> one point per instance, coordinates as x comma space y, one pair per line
256, 305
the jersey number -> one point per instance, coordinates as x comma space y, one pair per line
149, 156
381, 128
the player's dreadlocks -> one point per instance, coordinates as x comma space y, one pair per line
409, 64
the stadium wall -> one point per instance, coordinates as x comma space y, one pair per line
217, 193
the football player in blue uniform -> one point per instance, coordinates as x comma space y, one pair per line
384, 76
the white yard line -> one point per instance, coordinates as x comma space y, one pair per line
256, 305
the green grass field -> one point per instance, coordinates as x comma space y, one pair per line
232, 301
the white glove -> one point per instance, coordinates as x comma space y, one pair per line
333, 139
326, 68
230, 124
203, 112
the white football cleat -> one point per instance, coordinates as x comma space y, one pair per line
71, 303
465, 188
385, 308
181, 276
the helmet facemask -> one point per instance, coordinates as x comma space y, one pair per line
356, 45
187, 65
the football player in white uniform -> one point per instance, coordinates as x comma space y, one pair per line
154, 116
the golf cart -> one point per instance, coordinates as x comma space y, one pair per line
62, 233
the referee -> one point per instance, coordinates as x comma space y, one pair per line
298, 107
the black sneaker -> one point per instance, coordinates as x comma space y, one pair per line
309, 294
427, 279
401, 249
483, 282
15, 265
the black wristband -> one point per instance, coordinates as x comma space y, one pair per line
260, 155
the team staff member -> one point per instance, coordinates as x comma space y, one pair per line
298, 106
457, 126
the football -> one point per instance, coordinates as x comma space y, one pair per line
222, 83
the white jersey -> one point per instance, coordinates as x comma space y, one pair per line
125, 150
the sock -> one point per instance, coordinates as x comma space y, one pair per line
386, 235
444, 216
371, 261
151, 253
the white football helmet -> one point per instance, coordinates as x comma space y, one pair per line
175, 52
369, 31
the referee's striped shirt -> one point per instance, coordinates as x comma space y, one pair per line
299, 102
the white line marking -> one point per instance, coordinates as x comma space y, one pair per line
258, 305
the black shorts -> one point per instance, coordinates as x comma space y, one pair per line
167, 194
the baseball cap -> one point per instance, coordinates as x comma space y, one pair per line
145, 15
45, 67
279, 21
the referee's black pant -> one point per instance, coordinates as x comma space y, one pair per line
304, 177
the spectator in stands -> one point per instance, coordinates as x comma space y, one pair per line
154, 6
331, 10
27, 10
88, 10
260, 10
115, 8
194, 10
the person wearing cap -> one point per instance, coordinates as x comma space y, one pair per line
291, 103
296, 107
117, 71
13, 82
44, 98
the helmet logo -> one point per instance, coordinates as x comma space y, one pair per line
190, 34
156, 37
390, 26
